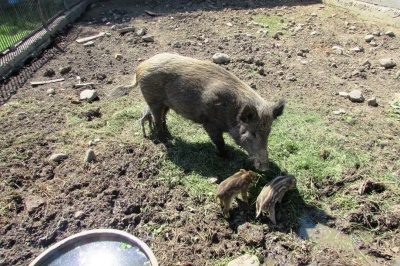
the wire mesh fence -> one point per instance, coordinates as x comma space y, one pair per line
19, 19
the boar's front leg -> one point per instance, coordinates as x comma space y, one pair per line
216, 137
159, 114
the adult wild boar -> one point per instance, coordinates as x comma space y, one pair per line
209, 95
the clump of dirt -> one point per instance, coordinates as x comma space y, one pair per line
44, 202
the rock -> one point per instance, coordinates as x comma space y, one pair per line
372, 102
357, 49
58, 157
79, 215
49, 72
118, 56
176, 45
356, 96
366, 63
88, 44
51, 92
313, 33
33, 203
339, 112
397, 75
387, 62
251, 234
148, 38
229, 24
337, 49
88, 95
313, 14
343, 94
369, 37
125, 30
245, 260
390, 33
89, 156
221, 58
374, 44
64, 70
140, 32
213, 180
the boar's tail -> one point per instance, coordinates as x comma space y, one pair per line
123, 90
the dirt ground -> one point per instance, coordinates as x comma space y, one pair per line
43, 202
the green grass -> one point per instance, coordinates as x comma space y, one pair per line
19, 20
274, 23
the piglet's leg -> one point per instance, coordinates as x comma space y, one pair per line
244, 195
271, 214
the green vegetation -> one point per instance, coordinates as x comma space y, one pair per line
274, 23
19, 20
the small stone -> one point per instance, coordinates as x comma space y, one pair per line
339, 112
118, 56
390, 33
366, 63
372, 102
376, 33
397, 75
313, 33
221, 58
51, 92
369, 38
88, 44
88, 95
148, 38
357, 49
356, 96
245, 260
58, 157
213, 180
89, 156
229, 24
64, 70
374, 44
79, 215
387, 62
337, 49
176, 45
313, 14
140, 32
343, 94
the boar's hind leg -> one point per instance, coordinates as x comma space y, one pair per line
217, 138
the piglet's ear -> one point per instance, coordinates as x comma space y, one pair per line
248, 113
277, 109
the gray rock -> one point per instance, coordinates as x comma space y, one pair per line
79, 215
366, 63
49, 72
148, 38
140, 32
369, 37
33, 203
64, 70
51, 91
357, 49
245, 260
397, 75
337, 49
390, 33
372, 102
88, 95
387, 62
213, 180
176, 45
89, 156
339, 112
356, 96
58, 157
343, 94
221, 58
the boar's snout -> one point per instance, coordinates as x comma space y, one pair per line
260, 164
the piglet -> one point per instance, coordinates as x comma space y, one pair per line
146, 116
273, 193
231, 187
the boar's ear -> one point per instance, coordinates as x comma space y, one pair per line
277, 109
248, 113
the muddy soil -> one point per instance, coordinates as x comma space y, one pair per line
43, 202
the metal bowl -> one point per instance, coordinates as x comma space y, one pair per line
98, 247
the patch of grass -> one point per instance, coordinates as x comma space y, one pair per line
274, 23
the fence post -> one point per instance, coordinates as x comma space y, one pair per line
42, 18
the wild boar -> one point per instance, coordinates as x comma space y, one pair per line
273, 193
209, 95
233, 186
146, 116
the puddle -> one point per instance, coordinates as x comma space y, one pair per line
330, 237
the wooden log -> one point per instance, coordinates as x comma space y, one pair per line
36, 83
86, 39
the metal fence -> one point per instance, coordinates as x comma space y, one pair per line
19, 19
